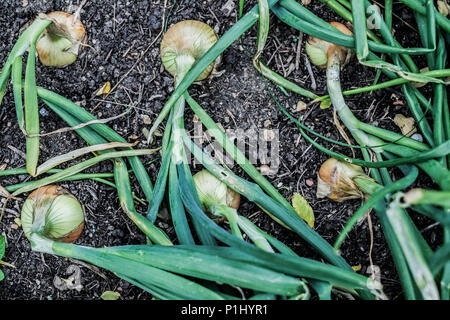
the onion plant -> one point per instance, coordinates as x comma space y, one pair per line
56, 39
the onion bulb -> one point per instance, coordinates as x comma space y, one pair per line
51, 211
319, 51
335, 180
184, 44
213, 192
60, 43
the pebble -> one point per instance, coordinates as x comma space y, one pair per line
146, 119
309, 182
43, 112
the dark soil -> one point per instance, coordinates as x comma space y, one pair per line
119, 33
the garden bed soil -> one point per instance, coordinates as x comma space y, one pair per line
123, 45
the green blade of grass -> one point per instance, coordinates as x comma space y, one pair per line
360, 29
178, 214
31, 112
126, 202
16, 78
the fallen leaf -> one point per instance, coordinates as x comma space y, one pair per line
357, 268
421, 84
105, 89
110, 295
303, 209
405, 124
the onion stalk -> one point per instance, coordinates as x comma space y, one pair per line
182, 46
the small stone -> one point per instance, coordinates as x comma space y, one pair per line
309, 182
228, 7
417, 137
146, 119
300, 106
24, 3
14, 226
267, 123
195, 118
43, 112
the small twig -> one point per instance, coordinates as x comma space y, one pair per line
342, 131
299, 49
311, 74
76, 15
81, 125
369, 222
19, 152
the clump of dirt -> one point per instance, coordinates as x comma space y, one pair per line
123, 48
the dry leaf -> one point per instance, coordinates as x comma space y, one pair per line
421, 84
405, 124
443, 7
105, 89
